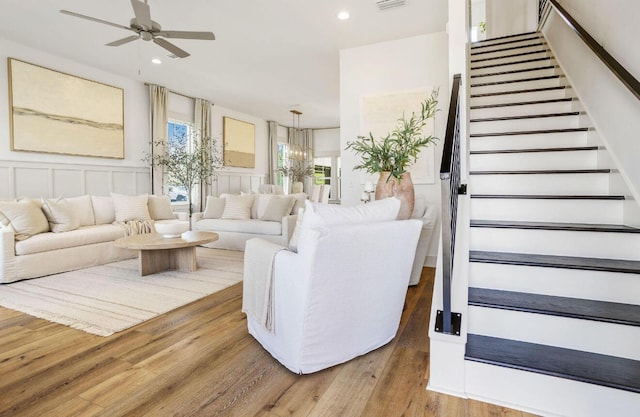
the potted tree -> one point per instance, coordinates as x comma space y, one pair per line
392, 155
189, 160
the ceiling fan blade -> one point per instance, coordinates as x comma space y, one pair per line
81, 16
124, 40
143, 13
171, 48
182, 34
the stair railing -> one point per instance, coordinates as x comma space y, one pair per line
446, 321
616, 67
542, 5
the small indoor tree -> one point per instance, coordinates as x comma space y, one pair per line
189, 160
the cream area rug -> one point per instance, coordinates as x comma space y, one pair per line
106, 299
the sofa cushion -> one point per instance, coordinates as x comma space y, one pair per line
87, 235
252, 226
260, 204
214, 208
324, 215
26, 218
130, 207
103, 209
238, 207
160, 207
83, 208
300, 198
278, 208
61, 215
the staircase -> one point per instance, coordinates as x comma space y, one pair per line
554, 274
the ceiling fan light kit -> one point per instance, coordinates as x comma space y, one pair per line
148, 30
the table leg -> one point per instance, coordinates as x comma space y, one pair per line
154, 261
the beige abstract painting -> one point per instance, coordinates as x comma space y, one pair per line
54, 112
239, 143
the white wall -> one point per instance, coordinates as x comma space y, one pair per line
416, 63
35, 174
326, 142
613, 110
508, 17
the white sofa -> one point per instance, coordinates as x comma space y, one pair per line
341, 295
40, 251
235, 229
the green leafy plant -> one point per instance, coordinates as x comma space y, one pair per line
189, 160
400, 148
483, 27
296, 170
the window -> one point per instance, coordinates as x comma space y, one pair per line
180, 134
327, 171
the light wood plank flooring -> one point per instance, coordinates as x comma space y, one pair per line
199, 360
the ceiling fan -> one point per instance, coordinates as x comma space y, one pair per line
149, 30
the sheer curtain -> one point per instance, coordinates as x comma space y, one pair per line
202, 122
273, 153
159, 131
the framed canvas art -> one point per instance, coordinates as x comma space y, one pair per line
54, 112
239, 143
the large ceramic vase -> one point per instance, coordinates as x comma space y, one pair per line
389, 186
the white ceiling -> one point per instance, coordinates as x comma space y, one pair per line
269, 56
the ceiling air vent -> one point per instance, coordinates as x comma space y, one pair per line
388, 4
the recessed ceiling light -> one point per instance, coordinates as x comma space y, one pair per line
343, 15
156, 61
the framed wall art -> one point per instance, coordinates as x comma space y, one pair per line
54, 112
239, 143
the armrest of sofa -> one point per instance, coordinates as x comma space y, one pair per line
196, 217
7, 254
180, 215
288, 225
428, 223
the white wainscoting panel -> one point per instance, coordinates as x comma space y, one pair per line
236, 182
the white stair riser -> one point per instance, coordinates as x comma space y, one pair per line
515, 86
490, 46
557, 242
545, 395
532, 73
522, 110
508, 59
496, 53
520, 97
616, 287
488, 67
519, 125
547, 140
541, 184
585, 335
569, 211
531, 37
535, 161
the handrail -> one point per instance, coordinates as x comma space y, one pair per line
616, 67
450, 184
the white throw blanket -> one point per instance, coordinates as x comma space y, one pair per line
258, 291
136, 227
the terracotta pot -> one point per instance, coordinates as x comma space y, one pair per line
403, 190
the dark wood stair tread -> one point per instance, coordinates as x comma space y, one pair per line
478, 45
535, 150
528, 90
518, 71
592, 368
575, 227
549, 197
520, 80
544, 50
577, 308
522, 103
505, 37
551, 261
529, 132
502, 64
505, 48
543, 171
527, 116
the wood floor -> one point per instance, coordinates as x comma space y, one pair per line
199, 360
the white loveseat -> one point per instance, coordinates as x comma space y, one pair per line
341, 295
80, 234
267, 216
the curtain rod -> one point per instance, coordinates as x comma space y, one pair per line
176, 93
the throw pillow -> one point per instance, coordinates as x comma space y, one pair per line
323, 215
26, 218
160, 207
61, 214
214, 208
260, 205
83, 209
237, 207
300, 198
130, 207
293, 242
277, 208
103, 209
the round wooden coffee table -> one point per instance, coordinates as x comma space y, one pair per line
157, 253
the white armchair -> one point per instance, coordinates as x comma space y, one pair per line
341, 295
